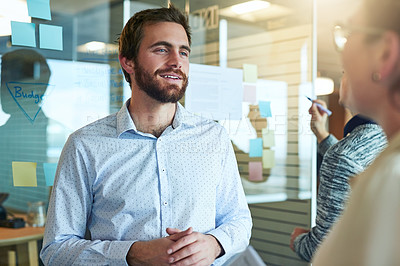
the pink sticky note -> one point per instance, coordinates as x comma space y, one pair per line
249, 93
255, 171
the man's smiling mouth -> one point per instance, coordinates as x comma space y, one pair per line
171, 76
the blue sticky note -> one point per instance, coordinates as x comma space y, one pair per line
39, 9
256, 148
49, 173
23, 34
265, 109
51, 37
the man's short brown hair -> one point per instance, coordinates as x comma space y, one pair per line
132, 34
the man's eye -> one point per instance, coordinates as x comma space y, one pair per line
160, 50
185, 53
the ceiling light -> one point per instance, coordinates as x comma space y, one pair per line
324, 86
250, 6
95, 46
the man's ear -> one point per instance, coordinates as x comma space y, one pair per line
389, 54
126, 64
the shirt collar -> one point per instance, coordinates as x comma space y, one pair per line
356, 121
183, 116
125, 122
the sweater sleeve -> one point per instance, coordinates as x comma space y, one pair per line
333, 192
326, 144
343, 160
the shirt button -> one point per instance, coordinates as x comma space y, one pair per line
163, 170
165, 203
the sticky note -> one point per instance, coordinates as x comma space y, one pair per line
250, 73
24, 174
265, 109
268, 159
51, 37
49, 173
23, 34
39, 9
268, 137
249, 93
256, 147
255, 171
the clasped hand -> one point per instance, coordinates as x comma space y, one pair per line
179, 248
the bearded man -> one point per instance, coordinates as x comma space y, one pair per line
144, 182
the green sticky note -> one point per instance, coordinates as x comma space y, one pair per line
51, 37
250, 73
268, 159
268, 137
23, 34
24, 174
39, 9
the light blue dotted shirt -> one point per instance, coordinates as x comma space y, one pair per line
125, 186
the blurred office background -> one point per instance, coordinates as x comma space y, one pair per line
289, 42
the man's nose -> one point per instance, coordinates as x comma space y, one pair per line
175, 60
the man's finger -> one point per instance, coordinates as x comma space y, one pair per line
172, 231
182, 242
193, 259
179, 234
202, 262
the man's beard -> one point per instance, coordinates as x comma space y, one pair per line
153, 88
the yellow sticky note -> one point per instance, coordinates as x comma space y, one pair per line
268, 137
268, 159
250, 73
24, 174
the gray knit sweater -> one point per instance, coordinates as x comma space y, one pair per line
341, 161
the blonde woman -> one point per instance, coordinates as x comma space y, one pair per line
369, 229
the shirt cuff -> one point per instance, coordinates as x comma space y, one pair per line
297, 247
326, 144
119, 251
223, 240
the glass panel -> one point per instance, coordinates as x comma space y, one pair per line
87, 80
46, 94
274, 145
273, 46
